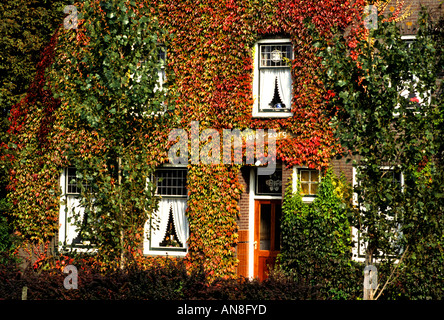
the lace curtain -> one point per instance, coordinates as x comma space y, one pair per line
268, 83
160, 221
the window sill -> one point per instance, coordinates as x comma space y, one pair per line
278, 114
308, 199
165, 253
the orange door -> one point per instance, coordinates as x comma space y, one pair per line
267, 236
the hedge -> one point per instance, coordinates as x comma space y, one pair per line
167, 281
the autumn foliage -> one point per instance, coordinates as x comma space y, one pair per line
210, 72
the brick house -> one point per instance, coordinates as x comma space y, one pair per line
261, 201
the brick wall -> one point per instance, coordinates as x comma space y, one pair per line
286, 179
244, 179
242, 223
409, 25
341, 166
242, 253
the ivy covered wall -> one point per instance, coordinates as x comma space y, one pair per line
210, 71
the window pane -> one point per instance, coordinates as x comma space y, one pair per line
392, 177
71, 181
170, 239
171, 182
269, 184
305, 175
314, 188
314, 176
274, 86
265, 227
275, 55
304, 188
161, 55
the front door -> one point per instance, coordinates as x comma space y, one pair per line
267, 236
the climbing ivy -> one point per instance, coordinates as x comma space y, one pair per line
211, 58
316, 239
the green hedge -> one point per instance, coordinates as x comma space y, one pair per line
316, 240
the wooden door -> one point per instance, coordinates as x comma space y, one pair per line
267, 236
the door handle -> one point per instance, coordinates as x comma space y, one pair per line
255, 245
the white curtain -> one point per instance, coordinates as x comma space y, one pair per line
72, 205
180, 220
267, 84
160, 222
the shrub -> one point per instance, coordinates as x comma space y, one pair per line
316, 240
169, 280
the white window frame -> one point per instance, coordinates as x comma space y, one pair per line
405, 93
67, 230
256, 82
161, 79
165, 251
295, 182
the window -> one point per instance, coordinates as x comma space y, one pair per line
272, 79
393, 177
309, 181
69, 234
390, 178
161, 56
159, 89
71, 181
269, 184
161, 60
167, 230
171, 182
412, 86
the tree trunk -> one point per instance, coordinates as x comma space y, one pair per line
122, 248
368, 293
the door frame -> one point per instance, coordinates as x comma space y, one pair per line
251, 219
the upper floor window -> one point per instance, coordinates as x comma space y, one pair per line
161, 56
272, 80
392, 177
412, 87
71, 181
171, 183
